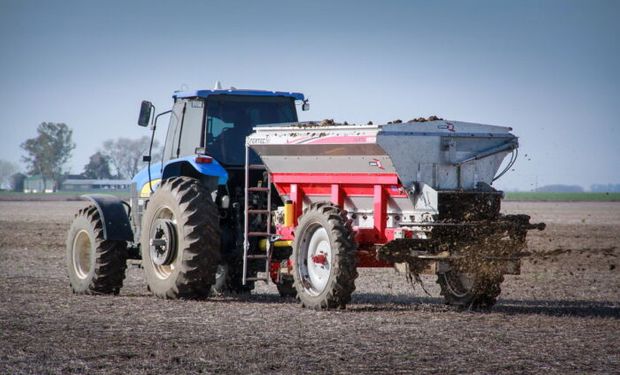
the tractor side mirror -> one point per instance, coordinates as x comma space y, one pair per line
305, 106
145, 113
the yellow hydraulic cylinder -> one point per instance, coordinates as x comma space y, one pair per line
288, 214
262, 244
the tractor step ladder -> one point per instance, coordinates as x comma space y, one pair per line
249, 213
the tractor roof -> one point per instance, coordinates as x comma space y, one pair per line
206, 93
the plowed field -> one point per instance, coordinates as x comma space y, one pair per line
561, 315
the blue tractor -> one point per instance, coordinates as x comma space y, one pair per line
185, 217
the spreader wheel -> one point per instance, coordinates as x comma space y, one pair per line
469, 290
95, 265
180, 241
286, 287
324, 255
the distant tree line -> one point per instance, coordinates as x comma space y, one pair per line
7, 172
47, 154
596, 188
119, 158
560, 189
608, 188
49, 151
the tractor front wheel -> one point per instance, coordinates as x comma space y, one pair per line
95, 265
324, 256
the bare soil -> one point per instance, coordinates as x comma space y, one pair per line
561, 315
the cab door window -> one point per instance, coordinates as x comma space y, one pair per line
192, 133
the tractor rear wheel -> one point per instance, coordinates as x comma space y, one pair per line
180, 242
95, 265
324, 258
469, 290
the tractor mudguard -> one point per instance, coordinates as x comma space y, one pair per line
115, 219
188, 166
185, 166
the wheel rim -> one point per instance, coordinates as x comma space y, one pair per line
82, 250
163, 242
459, 284
164, 266
316, 259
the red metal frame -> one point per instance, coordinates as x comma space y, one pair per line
336, 195
276, 267
379, 211
335, 178
339, 186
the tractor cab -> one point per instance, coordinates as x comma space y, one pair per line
229, 119
217, 121
213, 123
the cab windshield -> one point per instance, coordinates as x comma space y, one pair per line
230, 118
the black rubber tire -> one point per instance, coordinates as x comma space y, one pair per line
341, 281
286, 288
232, 282
482, 294
107, 259
192, 269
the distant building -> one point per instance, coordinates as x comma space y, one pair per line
94, 185
17, 182
34, 184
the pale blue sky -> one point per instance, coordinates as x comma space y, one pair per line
549, 69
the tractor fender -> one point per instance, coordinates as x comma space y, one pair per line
188, 166
115, 218
185, 166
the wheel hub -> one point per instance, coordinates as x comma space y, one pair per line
317, 252
163, 242
459, 284
320, 259
82, 253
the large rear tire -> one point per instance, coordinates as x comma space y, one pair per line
94, 265
324, 256
469, 290
180, 241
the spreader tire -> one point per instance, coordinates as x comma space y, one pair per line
180, 241
286, 288
95, 265
324, 256
469, 290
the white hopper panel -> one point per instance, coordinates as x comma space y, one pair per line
428, 152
